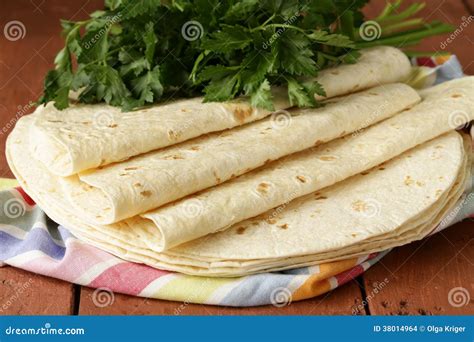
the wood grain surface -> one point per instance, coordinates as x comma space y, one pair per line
417, 278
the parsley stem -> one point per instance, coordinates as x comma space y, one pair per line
406, 38
261, 27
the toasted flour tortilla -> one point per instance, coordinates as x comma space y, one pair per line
145, 182
245, 197
87, 136
349, 218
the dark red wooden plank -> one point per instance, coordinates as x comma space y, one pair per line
26, 293
430, 277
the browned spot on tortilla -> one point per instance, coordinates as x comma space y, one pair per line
218, 180
455, 96
194, 148
267, 161
381, 168
184, 110
232, 176
343, 133
321, 198
353, 235
327, 158
241, 114
438, 192
335, 72
146, 193
365, 173
359, 206
131, 168
173, 135
112, 125
123, 174
408, 181
317, 142
420, 183
263, 188
70, 136
283, 226
255, 223
439, 146
54, 121
301, 179
137, 185
271, 220
86, 122
241, 230
173, 157
373, 93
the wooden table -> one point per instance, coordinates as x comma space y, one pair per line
419, 276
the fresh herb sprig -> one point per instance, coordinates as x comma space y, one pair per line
137, 52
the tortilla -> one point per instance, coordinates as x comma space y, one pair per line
352, 217
145, 182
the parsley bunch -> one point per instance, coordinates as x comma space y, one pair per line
137, 52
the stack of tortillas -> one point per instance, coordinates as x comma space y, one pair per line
224, 189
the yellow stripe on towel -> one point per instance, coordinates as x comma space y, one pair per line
193, 289
7, 183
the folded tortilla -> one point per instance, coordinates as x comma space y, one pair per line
350, 218
254, 193
145, 182
87, 136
